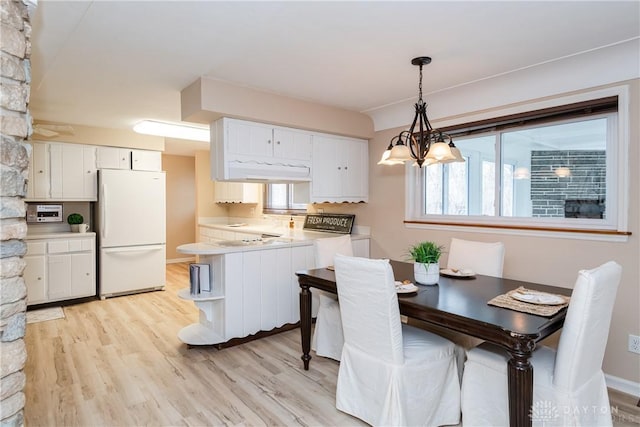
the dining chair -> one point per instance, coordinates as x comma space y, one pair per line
483, 258
327, 336
568, 384
390, 374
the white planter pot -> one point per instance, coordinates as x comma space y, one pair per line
426, 274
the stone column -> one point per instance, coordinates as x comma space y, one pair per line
15, 127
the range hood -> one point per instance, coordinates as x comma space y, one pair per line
254, 171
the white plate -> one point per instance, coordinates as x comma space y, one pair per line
465, 272
402, 288
538, 298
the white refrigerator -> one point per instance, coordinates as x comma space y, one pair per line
131, 224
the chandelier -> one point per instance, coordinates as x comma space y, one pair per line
421, 142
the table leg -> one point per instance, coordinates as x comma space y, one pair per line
305, 323
520, 373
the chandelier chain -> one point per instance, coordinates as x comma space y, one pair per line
420, 85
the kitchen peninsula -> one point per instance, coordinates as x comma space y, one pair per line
253, 283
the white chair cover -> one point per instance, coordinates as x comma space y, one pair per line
569, 386
482, 258
390, 374
327, 336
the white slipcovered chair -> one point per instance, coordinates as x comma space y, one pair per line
390, 374
568, 385
483, 258
327, 336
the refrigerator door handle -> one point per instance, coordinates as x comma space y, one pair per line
103, 223
134, 249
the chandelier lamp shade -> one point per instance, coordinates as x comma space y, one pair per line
422, 143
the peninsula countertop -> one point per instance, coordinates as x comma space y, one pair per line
285, 238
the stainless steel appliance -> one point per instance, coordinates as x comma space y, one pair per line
44, 213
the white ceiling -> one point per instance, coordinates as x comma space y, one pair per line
113, 63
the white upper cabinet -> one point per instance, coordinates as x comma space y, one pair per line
113, 158
74, 175
236, 192
340, 171
144, 160
38, 186
271, 142
249, 151
62, 172
126, 158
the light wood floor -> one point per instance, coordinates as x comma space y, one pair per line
119, 362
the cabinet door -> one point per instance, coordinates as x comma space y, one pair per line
113, 158
35, 279
144, 160
291, 144
355, 169
73, 172
361, 248
282, 284
59, 276
89, 173
39, 175
251, 294
250, 139
83, 282
269, 261
326, 177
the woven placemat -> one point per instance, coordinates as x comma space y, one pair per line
506, 301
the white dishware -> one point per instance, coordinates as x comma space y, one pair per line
539, 298
405, 288
464, 272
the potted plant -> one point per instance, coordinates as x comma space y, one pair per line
74, 220
426, 257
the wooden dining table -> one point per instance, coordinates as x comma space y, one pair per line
460, 304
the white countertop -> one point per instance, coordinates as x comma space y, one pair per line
60, 235
287, 238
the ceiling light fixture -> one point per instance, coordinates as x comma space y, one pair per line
173, 130
562, 172
425, 145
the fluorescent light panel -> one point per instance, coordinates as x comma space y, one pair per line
172, 130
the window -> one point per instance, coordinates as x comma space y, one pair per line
280, 198
550, 169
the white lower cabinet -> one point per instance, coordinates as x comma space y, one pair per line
35, 272
60, 269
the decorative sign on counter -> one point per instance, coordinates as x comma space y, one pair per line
332, 223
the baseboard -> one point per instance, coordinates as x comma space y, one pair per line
623, 385
177, 260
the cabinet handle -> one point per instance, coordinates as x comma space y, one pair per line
339, 168
268, 141
346, 167
278, 142
39, 278
39, 171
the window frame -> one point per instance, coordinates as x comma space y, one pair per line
292, 207
616, 226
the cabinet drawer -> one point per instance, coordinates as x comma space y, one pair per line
61, 246
80, 245
36, 248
